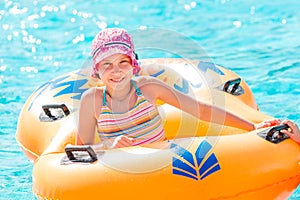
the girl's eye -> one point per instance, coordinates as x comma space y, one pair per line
104, 66
124, 61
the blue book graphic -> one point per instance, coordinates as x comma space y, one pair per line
197, 165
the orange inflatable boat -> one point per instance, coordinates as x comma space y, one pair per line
199, 160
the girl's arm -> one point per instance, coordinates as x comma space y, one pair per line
87, 119
199, 109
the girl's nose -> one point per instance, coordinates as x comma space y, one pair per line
116, 68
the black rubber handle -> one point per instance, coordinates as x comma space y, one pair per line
235, 82
84, 154
275, 136
277, 128
47, 110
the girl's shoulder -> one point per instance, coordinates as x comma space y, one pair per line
91, 101
145, 81
92, 94
150, 87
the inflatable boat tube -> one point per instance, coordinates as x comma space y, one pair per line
198, 160
37, 127
242, 166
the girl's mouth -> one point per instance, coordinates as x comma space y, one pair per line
117, 80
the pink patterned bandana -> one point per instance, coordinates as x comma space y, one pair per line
112, 41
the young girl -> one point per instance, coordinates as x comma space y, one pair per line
124, 111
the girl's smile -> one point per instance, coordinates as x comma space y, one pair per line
117, 80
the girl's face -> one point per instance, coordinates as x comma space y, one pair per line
115, 70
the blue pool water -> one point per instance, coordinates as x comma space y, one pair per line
40, 40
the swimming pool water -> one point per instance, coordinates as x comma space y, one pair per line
40, 40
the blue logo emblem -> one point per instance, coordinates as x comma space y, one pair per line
204, 66
197, 165
67, 87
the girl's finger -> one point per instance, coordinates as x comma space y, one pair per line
275, 122
124, 141
128, 139
288, 122
284, 131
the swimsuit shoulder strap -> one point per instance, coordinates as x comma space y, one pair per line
137, 90
104, 97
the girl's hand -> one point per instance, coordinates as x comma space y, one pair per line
293, 131
123, 141
267, 123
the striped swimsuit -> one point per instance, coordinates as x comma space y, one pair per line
141, 122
